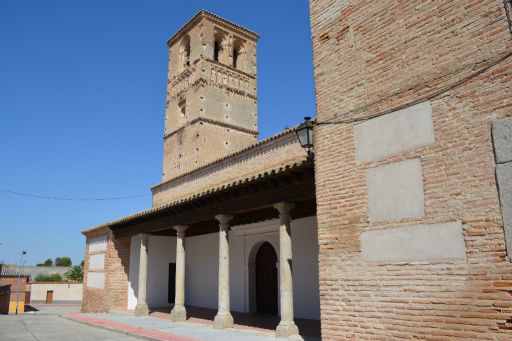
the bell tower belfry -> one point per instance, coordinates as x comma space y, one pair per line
211, 105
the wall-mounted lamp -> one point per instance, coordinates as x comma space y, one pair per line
305, 135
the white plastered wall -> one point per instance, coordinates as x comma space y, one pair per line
201, 287
161, 252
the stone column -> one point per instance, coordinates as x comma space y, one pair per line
223, 319
178, 312
141, 309
286, 327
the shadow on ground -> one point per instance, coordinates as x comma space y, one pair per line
310, 329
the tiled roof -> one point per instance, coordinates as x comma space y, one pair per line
12, 272
271, 171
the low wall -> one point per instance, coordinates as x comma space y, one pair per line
62, 291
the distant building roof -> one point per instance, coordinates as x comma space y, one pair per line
7, 271
32, 271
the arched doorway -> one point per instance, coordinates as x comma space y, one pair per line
266, 279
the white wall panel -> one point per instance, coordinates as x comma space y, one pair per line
414, 243
96, 280
98, 244
396, 132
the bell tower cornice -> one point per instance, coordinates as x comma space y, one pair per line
216, 20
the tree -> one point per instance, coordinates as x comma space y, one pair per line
47, 262
48, 278
62, 261
76, 273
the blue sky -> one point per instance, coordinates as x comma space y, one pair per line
82, 100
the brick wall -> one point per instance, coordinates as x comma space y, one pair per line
114, 293
117, 265
375, 57
13, 282
276, 151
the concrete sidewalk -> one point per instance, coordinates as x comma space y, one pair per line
160, 329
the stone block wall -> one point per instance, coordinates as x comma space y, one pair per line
269, 154
106, 266
209, 89
410, 230
199, 144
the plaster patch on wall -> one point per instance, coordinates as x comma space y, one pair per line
395, 191
414, 243
96, 280
396, 132
98, 244
502, 139
504, 177
97, 261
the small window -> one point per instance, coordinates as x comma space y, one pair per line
216, 50
236, 54
185, 52
187, 56
183, 108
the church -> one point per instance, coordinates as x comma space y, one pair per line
395, 223
232, 215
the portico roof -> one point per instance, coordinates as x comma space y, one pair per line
249, 199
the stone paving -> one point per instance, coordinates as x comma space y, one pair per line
65, 322
48, 327
165, 330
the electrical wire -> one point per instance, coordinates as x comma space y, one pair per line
46, 197
429, 97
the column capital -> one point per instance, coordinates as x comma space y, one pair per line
284, 208
223, 218
144, 236
180, 229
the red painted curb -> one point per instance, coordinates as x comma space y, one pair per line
126, 328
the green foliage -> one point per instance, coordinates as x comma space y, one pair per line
48, 278
62, 261
76, 273
48, 262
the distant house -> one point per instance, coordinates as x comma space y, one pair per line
42, 291
20, 289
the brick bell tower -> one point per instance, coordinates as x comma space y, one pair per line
211, 106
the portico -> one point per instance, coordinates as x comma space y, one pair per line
231, 224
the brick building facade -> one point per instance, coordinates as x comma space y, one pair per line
410, 230
408, 200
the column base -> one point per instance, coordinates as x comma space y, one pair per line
178, 313
288, 330
222, 321
141, 309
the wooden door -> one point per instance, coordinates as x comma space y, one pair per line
49, 297
172, 283
266, 279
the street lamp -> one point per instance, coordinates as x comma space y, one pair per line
23, 252
305, 135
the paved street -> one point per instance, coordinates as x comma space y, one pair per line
44, 323
46, 326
